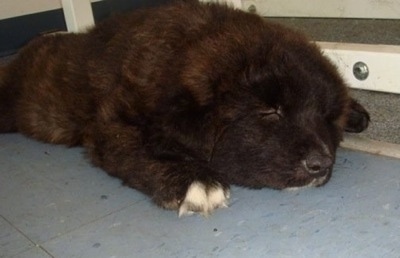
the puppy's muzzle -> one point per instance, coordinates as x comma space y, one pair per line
318, 165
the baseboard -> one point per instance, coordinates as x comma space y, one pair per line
360, 143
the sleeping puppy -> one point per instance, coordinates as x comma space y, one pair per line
183, 100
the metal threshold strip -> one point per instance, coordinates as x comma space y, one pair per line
368, 67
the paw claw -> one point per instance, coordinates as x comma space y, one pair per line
203, 200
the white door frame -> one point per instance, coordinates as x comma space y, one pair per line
78, 14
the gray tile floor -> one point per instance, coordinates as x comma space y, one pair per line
53, 203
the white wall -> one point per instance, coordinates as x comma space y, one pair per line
235, 3
337, 8
13, 8
383, 9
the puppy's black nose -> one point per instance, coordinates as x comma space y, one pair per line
317, 164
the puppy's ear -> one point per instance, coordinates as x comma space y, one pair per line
358, 118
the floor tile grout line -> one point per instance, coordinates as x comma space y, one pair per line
41, 245
90, 222
26, 237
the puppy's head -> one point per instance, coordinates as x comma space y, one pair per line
284, 118
279, 107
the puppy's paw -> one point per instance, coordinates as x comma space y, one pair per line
203, 199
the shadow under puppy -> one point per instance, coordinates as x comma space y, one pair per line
182, 100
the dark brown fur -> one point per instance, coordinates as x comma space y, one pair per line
184, 93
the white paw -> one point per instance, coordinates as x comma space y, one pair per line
203, 200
